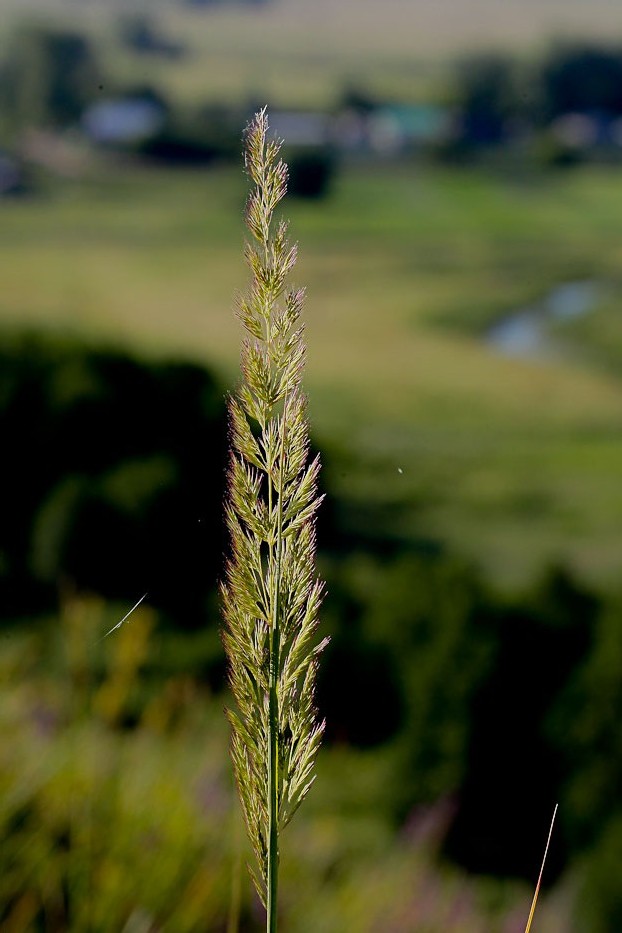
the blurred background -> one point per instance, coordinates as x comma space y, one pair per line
456, 190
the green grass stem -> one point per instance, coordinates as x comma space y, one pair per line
271, 595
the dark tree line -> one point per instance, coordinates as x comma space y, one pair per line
495, 93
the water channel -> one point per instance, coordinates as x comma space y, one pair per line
527, 331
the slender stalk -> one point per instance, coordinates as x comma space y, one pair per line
273, 772
539, 882
271, 595
273, 803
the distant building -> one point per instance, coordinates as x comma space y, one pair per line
302, 129
578, 131
123, 121
590, 135
384, 130
398, 128
391, 129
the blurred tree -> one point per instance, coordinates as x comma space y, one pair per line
581, 79
198, 138
113, 478
410, 648
433, 611
600, 893
486, 99
142, 34
359, 690
515, 772
358, 99
585, 727
48, 78
311, 172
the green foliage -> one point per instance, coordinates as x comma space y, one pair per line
412, 646
488, 98
599, 904
580, 77
311, 173
271, 595
539, 642
49, 78
585, 727
143, 35
116, 810
104, 828
125, 480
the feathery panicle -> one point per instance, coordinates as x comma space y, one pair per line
271, 595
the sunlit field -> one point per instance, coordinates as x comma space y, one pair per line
513, 461
304, 52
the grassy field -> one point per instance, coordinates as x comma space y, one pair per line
150, 829
303, 52
514, 463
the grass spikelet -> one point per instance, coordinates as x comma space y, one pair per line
271, 594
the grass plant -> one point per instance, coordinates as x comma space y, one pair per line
271, 595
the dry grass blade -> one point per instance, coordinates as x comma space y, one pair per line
537, 891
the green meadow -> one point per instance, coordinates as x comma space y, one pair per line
305, 52
513, 462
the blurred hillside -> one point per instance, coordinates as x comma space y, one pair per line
449, 25
300, 52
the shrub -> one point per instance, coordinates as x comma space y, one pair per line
311, 173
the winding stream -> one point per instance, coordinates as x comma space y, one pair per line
527, 332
